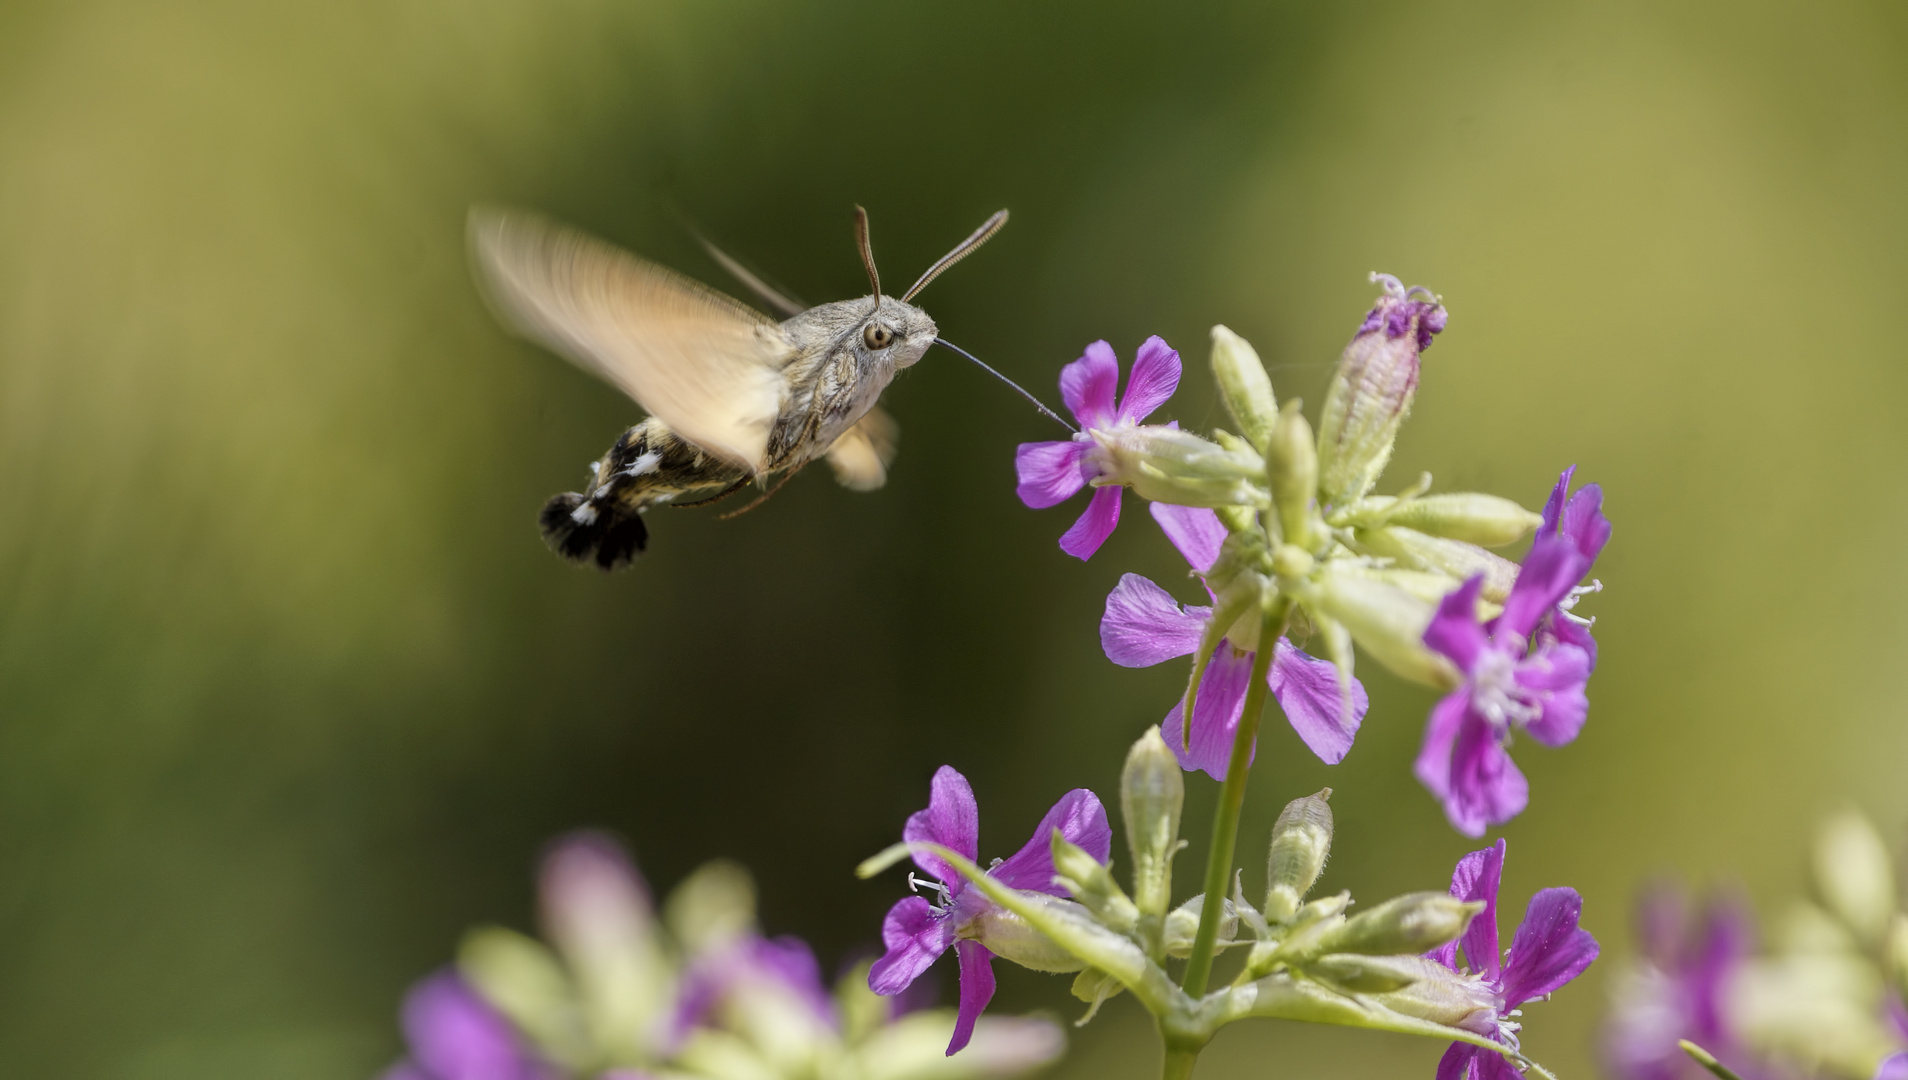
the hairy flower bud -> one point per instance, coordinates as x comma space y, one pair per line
1012, 938
1855, 875
1244, 386
1291, 466
1455, 559
1152, 792
1301, 841
1384, 618
1168, 465
1478, 519
1411, 923
1092, 884
1353, 974
1443, 996
1372, 390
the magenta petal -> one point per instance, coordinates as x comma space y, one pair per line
1565, 631
1094, 526
455, 1034
1144, 625
1557, 674
1457, 1060
1893, 1067
1477, 877
915, 937
1088, 386
977, 989
1486, 786
1549, 949
1194, 530
1081, 819
1306, 688
1454, 630
1584, 523
1554, 506
1433, 766
1222, 692
1050, 472
952, 819
1155, 376
1490, 1066
1549, 571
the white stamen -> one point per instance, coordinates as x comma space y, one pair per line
916, 884
646, 463
1495, 693
1579, 592
584, 514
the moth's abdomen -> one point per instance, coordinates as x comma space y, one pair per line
649, 466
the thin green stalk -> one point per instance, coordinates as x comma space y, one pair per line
1225, 824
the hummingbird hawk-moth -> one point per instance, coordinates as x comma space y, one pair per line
733, 397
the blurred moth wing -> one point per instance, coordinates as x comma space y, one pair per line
861, 456
708, 366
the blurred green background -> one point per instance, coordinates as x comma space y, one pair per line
290, 693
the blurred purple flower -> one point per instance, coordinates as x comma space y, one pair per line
1580, 521
1506, 687
1052, 472
917, 932
1548, 950
453, 1034
1894, 1067
784, 965
1144, 625
1686, 965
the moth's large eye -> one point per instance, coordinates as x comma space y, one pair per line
877, 336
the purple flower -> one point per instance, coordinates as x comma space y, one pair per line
1580, 521
1678, 991
917, 932
1894, 1067
1507, 685
454, 1034
1548, 950
1051, 472
1144, 625
750, 969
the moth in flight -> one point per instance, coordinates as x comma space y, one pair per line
733, 397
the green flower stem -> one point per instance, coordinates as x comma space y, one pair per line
1179, 1064
1707, 1060
1225, 825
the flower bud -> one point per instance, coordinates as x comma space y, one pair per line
1094, 987
1291, 465
1182, 925
1455, 559
1244, 386
1168, 465
519, 976
1478, 519
1385, 619
1855, 875
1301, 841
597, 912
712, 907
1411, 923
1352, 974
1152, 791
1092, 884
1443, 996
1012, 938
1372, 390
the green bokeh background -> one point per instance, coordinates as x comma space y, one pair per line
290, 693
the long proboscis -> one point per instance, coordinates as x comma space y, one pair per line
950, 346
961, 251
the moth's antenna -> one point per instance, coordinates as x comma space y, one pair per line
772, 296
961, 251
946, 344
867, 252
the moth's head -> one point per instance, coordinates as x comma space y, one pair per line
895, 330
